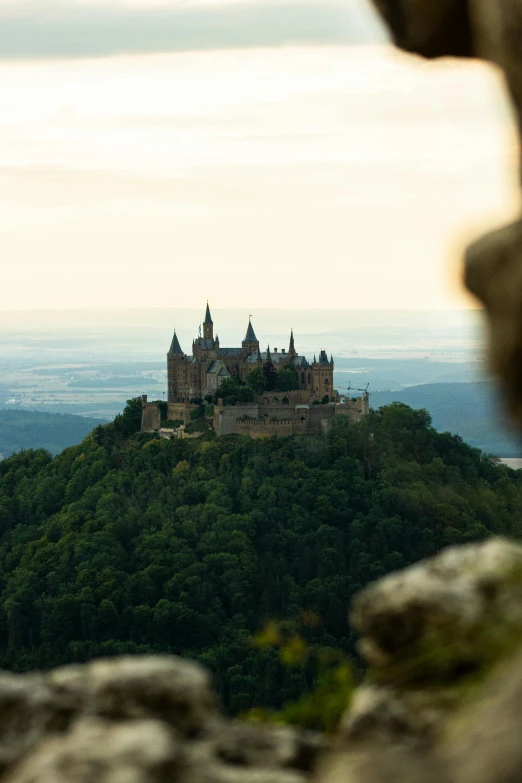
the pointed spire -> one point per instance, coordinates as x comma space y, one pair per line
208, 317
315, 360
291, 349
175, 347
268, 356
250, 336
331, 358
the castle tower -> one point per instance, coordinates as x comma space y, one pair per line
208, 326
175, 359
322, 377
250, 344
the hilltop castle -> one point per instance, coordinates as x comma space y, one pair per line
191, 379
203, 372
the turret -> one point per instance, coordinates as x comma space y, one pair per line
250, 344
322, 377
175, 347
208, 326
175, 358
291, 349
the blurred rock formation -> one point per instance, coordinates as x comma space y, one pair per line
492, 30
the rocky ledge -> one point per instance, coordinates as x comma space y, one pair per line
137, 720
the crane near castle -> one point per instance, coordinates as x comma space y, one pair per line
290, 395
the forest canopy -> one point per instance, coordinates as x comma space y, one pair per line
128, 543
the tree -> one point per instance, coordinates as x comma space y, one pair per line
287, 380
270, 373
257, 380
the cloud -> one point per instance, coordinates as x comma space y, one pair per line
57, 29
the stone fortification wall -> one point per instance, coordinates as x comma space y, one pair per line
150, 417
354, 410
320, 413
178, 411
151, 414
265, 428
295, 417
225, 418
276, 398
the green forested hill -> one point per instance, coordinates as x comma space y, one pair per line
32, 429
127, 543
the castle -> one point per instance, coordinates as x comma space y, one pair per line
197, 378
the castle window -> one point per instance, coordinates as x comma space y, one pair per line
302, 377
309, 378
286, 401
326, 381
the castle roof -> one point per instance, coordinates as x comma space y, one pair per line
175, 347
323, 358
222, 352
291, 349
250, 336
208, 317
218, 368
256, 356
205, 345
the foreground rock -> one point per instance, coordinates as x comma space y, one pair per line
136, 720
443, 641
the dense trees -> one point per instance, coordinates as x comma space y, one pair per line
128, 543
267, 378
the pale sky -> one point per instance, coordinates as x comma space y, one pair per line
263, 155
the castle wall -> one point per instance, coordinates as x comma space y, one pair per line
180, 411
354, 410
294, 398
225, 418
258, 428
320, 413
150, 417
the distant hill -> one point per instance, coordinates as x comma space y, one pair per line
35, 430
471, 410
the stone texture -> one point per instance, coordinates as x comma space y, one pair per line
98, 751
427, 632
130, 719
444, 617
483, 743
443, 701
